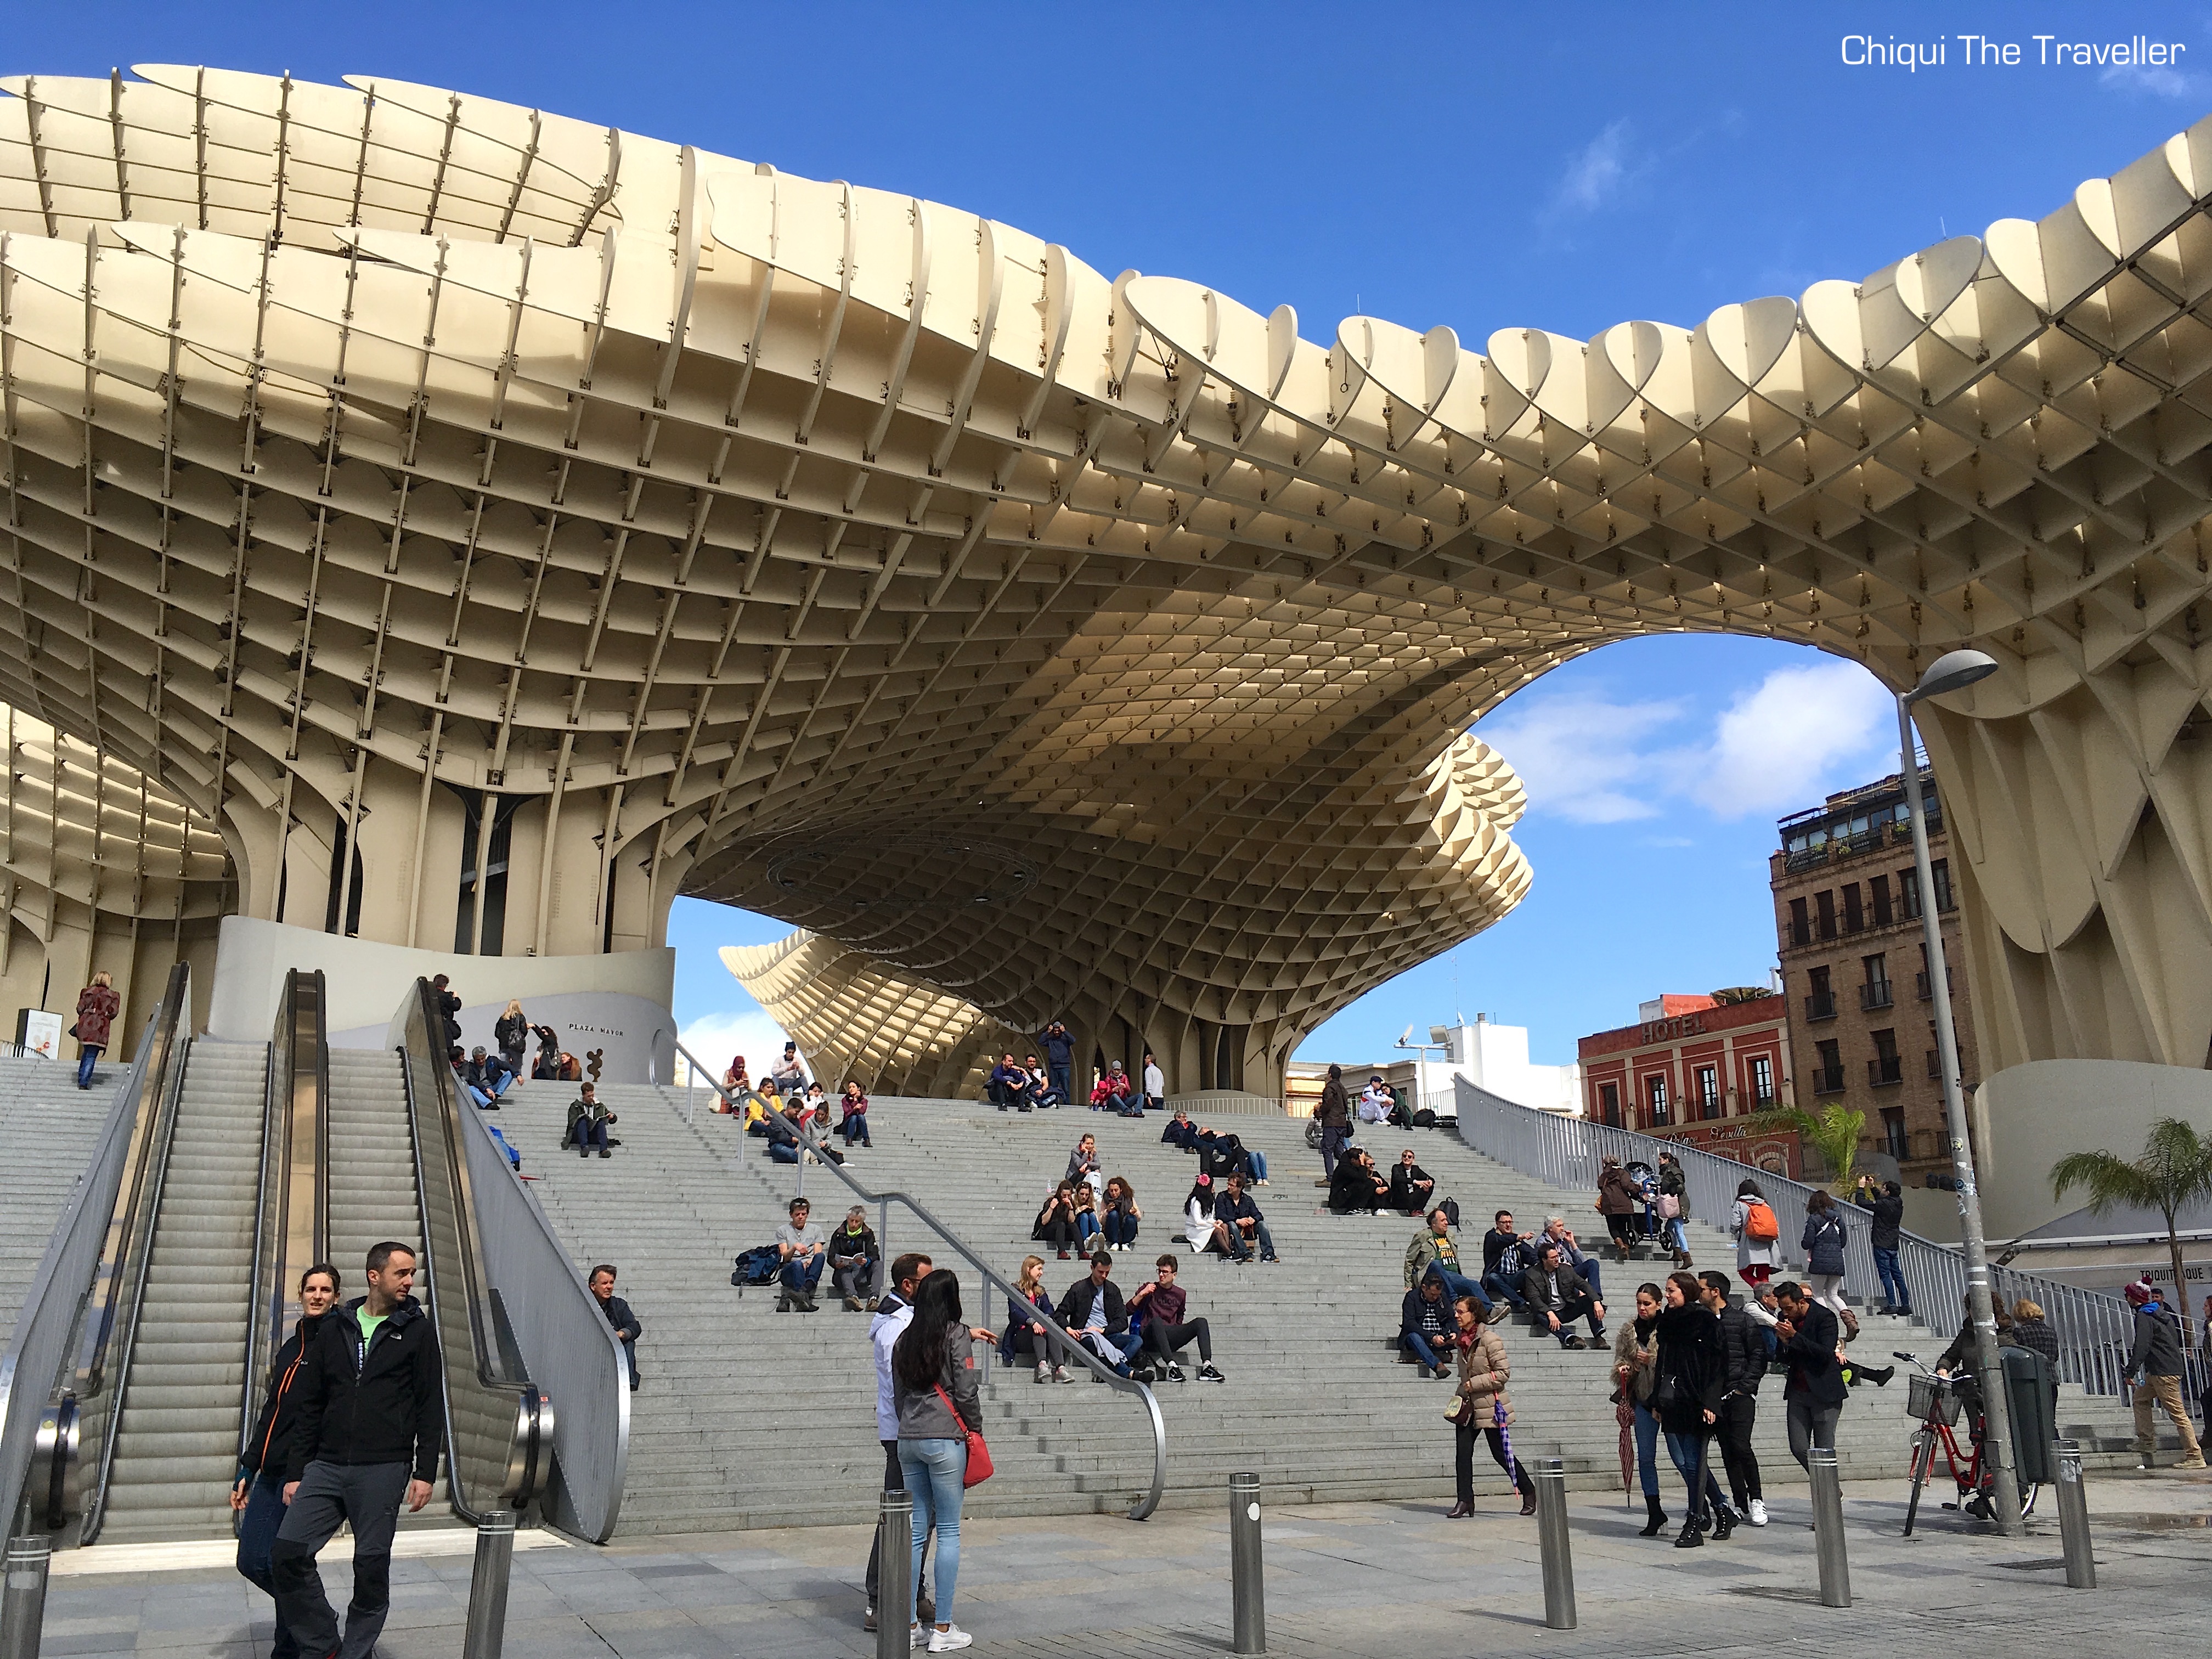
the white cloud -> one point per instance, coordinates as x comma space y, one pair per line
749, 1032
1582, 756
1775, 746
2145, 81
1778, 745
1598, 169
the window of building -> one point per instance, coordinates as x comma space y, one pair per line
1824, 902
1884, 1067
1892, 1131
1908, 894
1708, 1081
1762, 1083
1608, 1103
1828, 1076
1854, 912
1801, 926
1878, 892
1875, 992
1821, 1003
1654, 1094
1940, 870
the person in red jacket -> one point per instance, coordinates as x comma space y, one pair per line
98, 1007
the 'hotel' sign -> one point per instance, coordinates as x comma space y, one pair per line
1670, 1031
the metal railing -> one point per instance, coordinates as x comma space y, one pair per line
1056, 1332
1827, 1079
499, 1428
565, 1345
70, 1299
1821, 1005
2095, 1330
291, 1226
1883, 1070
1875, 993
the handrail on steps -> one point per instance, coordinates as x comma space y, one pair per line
1058, 1333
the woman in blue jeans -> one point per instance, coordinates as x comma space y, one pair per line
1685, 1398
258, 1493
1635, 1361
934, 1394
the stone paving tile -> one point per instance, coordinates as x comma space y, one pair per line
1348, 1581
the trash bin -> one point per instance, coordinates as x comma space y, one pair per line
2031, 1391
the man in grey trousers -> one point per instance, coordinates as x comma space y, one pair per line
370, 1427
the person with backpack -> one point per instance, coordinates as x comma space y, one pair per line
1757, 1235
1823, 1244
1744, 1353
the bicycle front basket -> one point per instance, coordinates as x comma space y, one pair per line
1933, 1397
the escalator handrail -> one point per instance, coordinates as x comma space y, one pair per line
35, 1367
103, 1368
428, 1080
291, 1226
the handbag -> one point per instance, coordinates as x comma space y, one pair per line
979, 1455
1670, 1206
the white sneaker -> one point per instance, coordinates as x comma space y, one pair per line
1757, 1513
917, 1635
951, 1639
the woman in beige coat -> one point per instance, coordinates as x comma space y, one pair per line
1482, 1408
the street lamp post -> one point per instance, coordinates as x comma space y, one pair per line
1952, 672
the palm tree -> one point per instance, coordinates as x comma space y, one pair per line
2174, 1171
1834, 1133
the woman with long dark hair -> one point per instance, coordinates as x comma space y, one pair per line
934, 1394
1685, 1398
259, 1491
1635, 1368
1055, 1221
1121, 1215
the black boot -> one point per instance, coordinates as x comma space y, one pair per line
1658, 1523
1691, 1536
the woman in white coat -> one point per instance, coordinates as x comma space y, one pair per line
1756, 1258
1199, 1229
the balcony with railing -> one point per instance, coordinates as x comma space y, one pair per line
1828, 1080
1821, 1005
1874, 994
1886, 1069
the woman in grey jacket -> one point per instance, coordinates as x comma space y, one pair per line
934, 1393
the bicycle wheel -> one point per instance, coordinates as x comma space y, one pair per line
1923, 1452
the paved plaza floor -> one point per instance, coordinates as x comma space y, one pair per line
1352, 1579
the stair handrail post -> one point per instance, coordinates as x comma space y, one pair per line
1057, 1333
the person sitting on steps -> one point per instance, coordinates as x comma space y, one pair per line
1120, 1216
587, 1124
1093, 1313
1434, 1251
1412, 1188
1558, 1296
853, 1257
1202, 1230
1028, 1336
1235, 1210
1181, 1131
800, 1243
1166, 1334
1055, 1221
1356, 1187
1009, 1085
853, 1125
1425, 1325
1505, 1256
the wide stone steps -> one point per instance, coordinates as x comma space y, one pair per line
51, 1126
730, 1433
177, 1442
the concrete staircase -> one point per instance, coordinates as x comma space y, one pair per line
371, 1163
749, 1418
50, 1125
177, 1446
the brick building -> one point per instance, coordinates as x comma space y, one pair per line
1691, 1068
1847, 915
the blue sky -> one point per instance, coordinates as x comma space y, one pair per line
1566, 167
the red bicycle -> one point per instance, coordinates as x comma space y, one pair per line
1936, 1403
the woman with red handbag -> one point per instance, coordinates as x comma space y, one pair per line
940, 1451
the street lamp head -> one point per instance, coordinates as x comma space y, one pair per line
1952, 672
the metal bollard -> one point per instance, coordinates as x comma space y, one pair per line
486, 1633
23, 1599
1828, 1527
2073, 1516
894, 1573
1550, 1474
1247, 1587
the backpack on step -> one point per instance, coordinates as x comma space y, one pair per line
758, 1265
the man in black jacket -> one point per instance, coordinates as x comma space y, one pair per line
1887, 1204
627, 1326
1093, 1313
1814, 1396
370, 1426
1743, 1362
1412, 1188
1504, 1260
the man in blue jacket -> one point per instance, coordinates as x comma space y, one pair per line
371, 1423
1425, 1325
1059, 1049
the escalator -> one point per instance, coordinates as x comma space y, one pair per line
227, 1169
